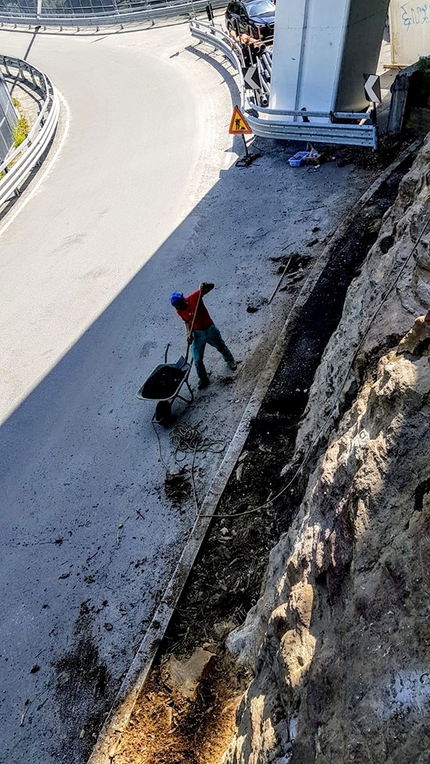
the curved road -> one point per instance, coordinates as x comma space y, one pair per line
88, 541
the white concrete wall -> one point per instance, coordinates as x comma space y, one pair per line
410, 31
322, 47
361, 52
308, 43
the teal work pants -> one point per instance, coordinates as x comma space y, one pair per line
203, 337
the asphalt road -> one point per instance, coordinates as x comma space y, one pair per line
142, 199
85, 533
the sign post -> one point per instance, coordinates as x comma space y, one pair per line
239, 126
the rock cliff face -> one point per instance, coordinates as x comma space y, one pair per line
340, 638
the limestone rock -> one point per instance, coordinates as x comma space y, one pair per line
382, 303
339, 641
417, 340
184, 676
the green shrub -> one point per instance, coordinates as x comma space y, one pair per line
424, 64
20, 132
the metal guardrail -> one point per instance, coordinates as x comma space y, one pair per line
334, 133
273, 123
87, 16
19, 162
215, 36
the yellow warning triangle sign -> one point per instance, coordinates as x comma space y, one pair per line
238, 124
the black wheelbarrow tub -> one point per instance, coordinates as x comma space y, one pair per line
165, 381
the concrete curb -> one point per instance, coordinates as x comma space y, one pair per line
137, 674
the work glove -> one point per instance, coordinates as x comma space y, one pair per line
205, 287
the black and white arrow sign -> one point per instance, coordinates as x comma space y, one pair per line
372, 88
252, 78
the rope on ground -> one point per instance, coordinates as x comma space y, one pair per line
193, 484
186, 438
159, 446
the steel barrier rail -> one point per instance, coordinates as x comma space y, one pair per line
26, 156
215, 36
271, 125
147, 12
268, 123
334, 133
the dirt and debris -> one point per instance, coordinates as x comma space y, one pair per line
168, 728
226, 579
292, 267
177, 485
294, 260
81, 673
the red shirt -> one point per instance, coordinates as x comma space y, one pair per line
203, 319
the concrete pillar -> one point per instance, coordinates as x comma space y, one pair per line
322, 49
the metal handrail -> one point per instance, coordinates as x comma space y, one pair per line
215, 36
358, 115
146, 12
28, 153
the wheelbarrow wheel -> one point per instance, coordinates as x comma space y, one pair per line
163, 413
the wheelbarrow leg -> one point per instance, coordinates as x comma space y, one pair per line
186, 400
163, 413
189, 389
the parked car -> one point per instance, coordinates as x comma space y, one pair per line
256, 18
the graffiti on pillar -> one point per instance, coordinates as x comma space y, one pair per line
415, 15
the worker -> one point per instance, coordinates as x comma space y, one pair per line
201, 330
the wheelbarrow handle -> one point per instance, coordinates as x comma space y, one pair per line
189, 338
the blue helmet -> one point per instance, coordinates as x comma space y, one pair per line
176, 298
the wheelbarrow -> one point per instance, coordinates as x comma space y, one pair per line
164, 385
165, 381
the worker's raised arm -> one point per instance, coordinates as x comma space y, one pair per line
205, 287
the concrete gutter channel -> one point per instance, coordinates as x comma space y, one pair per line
281, 393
